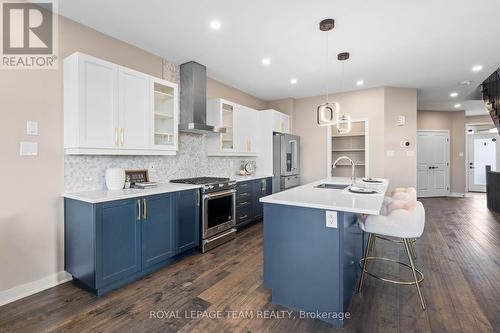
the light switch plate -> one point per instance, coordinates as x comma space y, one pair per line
401, 120
31, 127
331, 219
28, 148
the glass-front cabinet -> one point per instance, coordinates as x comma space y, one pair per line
227, 139
165, 114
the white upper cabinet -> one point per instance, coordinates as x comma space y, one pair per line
134, 109
241, 137
247, 122
113, 110
281, 122
90, 105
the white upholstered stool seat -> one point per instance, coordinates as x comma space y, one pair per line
403, 217
401, 223
404, 193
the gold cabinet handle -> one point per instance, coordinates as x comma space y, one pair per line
144, 209
115, 135
138, 209
198, 198
122, 136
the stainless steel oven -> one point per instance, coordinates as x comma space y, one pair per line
219, 211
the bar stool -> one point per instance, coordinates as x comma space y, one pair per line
406, 223
405, 194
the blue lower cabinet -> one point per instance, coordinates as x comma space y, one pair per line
248, 207
188, 220
110, 244
118, 235
158, 229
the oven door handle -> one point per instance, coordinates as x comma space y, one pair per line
218, 194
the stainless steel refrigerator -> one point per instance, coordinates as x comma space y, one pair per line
286, 161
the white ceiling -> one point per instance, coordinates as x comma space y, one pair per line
430, 45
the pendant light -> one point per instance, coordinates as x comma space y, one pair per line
328, 113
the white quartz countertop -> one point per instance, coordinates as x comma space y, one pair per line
99, 196
332, 199
247, 178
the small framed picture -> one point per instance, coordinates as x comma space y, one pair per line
137, 176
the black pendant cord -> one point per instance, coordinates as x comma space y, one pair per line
326, 68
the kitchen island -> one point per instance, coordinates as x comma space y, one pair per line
312, 245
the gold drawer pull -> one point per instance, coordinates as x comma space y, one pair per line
138, 209
145, 209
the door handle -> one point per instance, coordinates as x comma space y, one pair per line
138, 202
122, 136
144, 209
115, 136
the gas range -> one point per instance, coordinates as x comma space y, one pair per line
209, 184
218, 210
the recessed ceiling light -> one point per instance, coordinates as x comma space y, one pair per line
293, 81
477, 68
457, 105
266, 61
215, 24
360, 82
454, 94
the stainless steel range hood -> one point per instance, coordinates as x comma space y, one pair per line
193, 115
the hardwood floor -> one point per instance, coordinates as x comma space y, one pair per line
459, 254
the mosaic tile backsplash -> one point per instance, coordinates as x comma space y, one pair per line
86, 173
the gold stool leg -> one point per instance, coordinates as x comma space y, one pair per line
412, 248
408, 252
372, 244
371, 240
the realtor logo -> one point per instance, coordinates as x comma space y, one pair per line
29, 34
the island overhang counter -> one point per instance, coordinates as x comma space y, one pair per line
312, 246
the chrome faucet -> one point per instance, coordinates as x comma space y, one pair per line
353, 166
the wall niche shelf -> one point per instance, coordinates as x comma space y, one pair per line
352, 145
357, 133
348, 149
349, 165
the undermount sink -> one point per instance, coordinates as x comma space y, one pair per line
333, 186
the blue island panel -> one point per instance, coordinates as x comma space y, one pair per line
308, 266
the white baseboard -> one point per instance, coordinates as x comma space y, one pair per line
30, 288
456, 195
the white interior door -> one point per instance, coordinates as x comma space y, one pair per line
482, 152
433, 167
